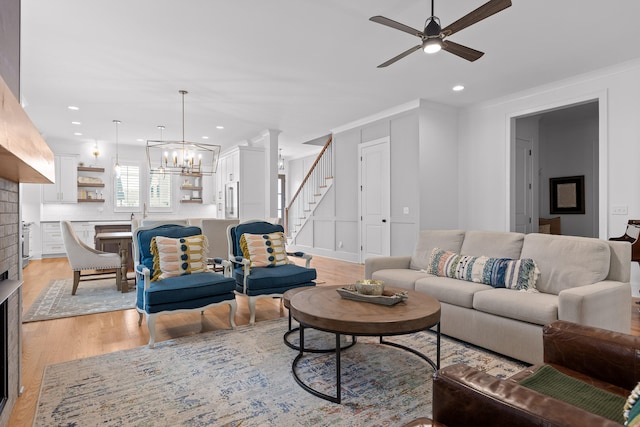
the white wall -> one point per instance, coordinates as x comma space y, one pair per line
423, 142
484, 146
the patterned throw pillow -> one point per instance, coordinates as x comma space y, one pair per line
178, 256
631, 412
443, 263
519, 274
264, 250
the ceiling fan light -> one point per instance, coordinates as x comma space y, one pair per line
432, 45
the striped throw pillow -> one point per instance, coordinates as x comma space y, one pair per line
264, 250
518, 274
178, 256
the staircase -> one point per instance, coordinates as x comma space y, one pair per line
311, 191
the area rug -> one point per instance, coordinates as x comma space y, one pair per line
92, 296
243, 377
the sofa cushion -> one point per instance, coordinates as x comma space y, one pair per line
537, 308
399, 277
185, 288
178, 256
495, 244
520, 274
449, 240
265, 280
264, 250
567, 261
450, 291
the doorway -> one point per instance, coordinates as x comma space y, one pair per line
374, 198
564, 142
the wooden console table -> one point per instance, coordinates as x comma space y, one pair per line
110, 246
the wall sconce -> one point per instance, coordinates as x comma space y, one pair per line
95, 153
280, 160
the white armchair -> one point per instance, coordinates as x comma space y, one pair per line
83, 257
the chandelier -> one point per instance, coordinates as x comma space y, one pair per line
182, 157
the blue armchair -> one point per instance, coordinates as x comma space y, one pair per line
185, 292
270, 281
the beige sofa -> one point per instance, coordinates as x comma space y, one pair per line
582, 280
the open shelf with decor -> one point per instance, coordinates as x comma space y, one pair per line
90, 169
192, 183
87, 182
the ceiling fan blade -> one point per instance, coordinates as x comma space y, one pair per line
399, 57
486, 10
398, 26
461, 51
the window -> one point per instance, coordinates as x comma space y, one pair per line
159, 191
127, 188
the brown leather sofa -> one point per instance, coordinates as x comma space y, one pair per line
464, 396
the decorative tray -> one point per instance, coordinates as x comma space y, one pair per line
387, 298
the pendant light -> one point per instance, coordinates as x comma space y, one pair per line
162, 169
116, 167
182, 157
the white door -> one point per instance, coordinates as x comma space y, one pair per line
524, 186
375, 228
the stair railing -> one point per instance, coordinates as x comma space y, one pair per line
311, 189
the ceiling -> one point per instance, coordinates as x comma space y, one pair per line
303, 67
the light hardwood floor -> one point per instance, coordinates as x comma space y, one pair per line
59, 340
55, 341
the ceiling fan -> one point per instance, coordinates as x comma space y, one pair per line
433, 36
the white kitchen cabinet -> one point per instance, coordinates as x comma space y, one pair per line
52, 244
241, 183
85, 232
65, 189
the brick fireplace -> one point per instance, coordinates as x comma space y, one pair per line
10, 298
24, 157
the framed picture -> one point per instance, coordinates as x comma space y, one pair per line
567, 195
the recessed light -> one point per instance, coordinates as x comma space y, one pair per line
77, 134
73, 107
205, 137
219, 127
140, 140
458, 88
76, 123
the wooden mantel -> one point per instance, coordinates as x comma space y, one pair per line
24, 154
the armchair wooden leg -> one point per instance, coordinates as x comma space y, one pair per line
233, 307
151, 325
252, 310
76, 282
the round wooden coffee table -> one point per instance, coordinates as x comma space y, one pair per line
324, 309
286, 299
